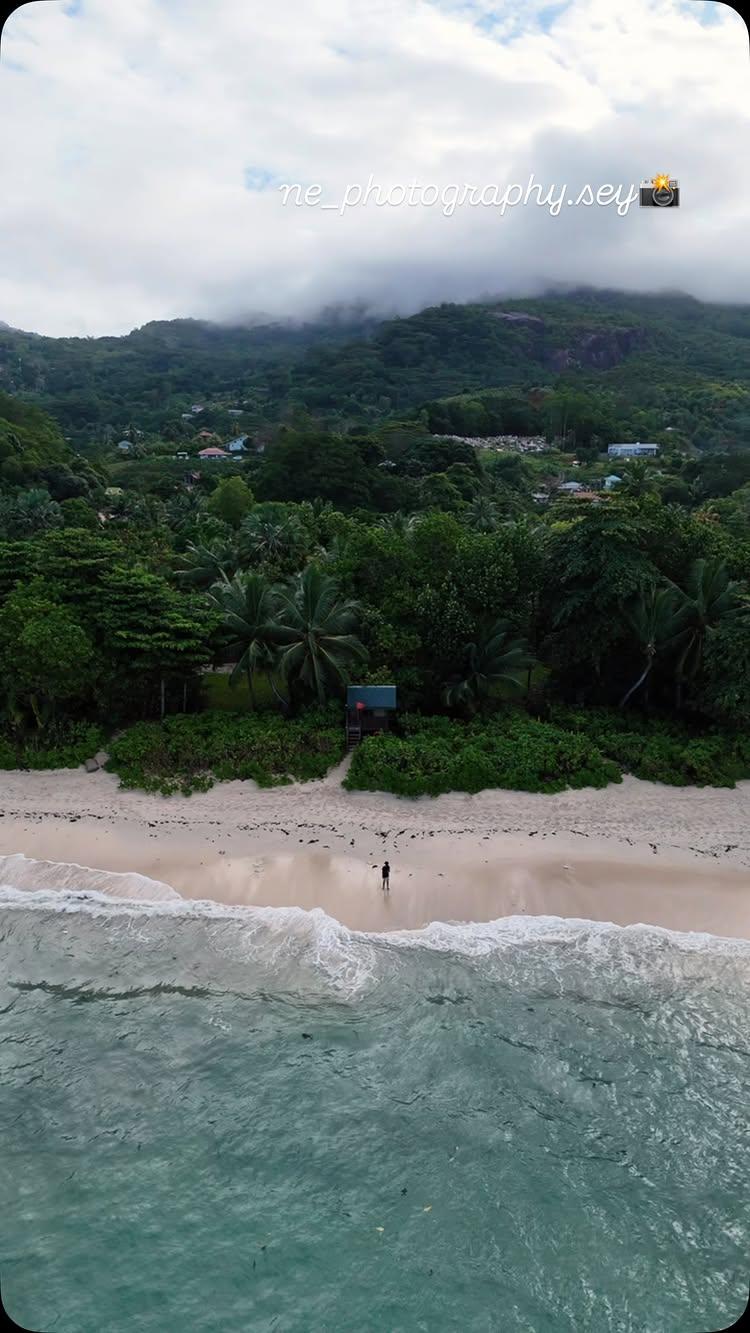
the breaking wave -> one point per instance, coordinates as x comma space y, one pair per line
303, 948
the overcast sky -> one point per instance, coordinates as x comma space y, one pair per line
148, 139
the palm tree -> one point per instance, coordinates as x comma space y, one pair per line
482, 513
653, 617
398, 524
34, 511
708, 596
316, 629
637, 480
249, 606
184, 509
271, 540
205, 565
496, 658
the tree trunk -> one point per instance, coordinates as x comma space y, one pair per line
284, 702
639, 681
250, 687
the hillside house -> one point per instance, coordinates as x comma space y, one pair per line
636, 450
212, 452
237, 446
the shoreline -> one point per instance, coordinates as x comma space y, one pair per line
587, 854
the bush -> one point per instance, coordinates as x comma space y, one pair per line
577, 748
663, 750
57, 747
187, 753
513, 751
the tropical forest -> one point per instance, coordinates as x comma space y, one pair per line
207, 532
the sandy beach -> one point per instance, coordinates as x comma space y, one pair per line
633, 853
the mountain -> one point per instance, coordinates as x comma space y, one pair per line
653, 355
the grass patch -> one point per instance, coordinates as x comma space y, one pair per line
189, 752
219, 694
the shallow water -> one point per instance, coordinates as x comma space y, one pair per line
221, 1119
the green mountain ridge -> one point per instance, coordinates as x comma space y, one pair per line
657, 355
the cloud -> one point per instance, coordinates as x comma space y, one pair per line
150, 138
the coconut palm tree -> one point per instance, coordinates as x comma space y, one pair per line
249, 606
270, 539
656, 624
398, 524
482, 513
31, 512
637, 480
708, 595
204, 565
497, 657
316, 631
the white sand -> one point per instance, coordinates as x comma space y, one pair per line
635, 852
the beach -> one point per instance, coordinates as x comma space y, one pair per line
635, 853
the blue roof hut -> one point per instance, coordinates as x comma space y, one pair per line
369, 710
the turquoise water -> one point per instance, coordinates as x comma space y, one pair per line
529, 1125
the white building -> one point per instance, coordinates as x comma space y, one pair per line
636, 450
611, 481
237, 446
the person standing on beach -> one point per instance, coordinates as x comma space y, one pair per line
386, 872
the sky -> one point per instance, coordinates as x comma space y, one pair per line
149, 140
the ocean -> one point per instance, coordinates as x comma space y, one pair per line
240, 1120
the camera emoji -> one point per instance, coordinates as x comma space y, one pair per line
660, 192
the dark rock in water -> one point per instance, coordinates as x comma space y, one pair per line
307, 1036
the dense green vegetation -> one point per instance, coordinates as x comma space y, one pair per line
64, 746
354, 543
579, 748
439, 754
623, 363
189, 753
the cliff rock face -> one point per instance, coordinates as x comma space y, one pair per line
606, 347
598, 349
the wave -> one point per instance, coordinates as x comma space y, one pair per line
54, 886
144, 925
27, 875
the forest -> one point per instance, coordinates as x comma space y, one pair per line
198, 618
643, 362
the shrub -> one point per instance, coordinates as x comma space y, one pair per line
663, 750
513, 751
64, 746
188, 753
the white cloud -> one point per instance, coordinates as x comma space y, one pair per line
148, 134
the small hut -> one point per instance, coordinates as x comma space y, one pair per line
369, 709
